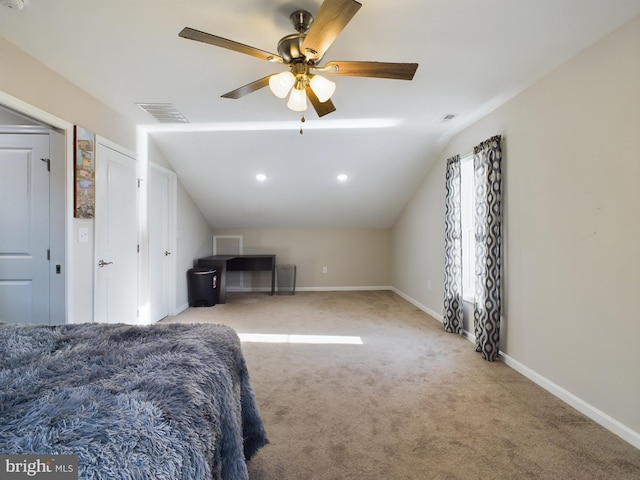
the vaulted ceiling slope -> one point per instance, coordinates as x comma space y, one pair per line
472, 55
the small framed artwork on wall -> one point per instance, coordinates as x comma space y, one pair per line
84, 173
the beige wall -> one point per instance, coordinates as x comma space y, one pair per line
354, 258
32, 82
572, 230
417, 244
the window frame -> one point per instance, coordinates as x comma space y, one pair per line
467, 233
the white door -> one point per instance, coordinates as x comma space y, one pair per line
24, 228
116, 237
161, 241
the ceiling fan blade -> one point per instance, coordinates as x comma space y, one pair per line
248, 88
331, 19
396, 71
204, 37
321, 108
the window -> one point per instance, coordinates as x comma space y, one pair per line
467, 202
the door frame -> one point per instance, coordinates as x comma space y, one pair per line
172, 234
46, 118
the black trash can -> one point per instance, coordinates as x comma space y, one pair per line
203, 287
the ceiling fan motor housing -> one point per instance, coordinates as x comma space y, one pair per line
290, 47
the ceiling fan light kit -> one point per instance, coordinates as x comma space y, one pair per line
285, 83
302, 52
323, 87
281, 83
297, 100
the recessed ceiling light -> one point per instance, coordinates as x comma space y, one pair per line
342, 177
261, 177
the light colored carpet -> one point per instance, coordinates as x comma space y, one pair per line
411, 402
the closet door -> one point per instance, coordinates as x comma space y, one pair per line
116, 232
162, 258
24, 236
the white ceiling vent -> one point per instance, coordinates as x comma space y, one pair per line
163, 112
448, 117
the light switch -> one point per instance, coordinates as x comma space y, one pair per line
83, 235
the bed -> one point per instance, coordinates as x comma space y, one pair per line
167, 401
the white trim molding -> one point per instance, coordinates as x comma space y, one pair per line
598, 416
340, 289
180, 309
307, 289
569, 398
425, 309
41, 116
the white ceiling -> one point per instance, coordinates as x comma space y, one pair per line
473, 55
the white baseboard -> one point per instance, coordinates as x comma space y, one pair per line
425, 309
340, 289
309, 289
572, 400
180, 309
598, 416
469, 336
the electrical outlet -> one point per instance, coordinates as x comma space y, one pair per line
83, 235
324, 270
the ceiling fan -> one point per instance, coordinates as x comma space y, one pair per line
302, 52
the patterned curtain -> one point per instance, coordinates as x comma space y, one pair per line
487, 161
452, 318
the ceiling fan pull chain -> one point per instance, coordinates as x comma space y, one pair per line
302, 120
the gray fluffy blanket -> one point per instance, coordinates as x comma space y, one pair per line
166, 401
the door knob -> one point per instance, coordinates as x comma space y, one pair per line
102, 263
167, 253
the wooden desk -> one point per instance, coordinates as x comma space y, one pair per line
238, 263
